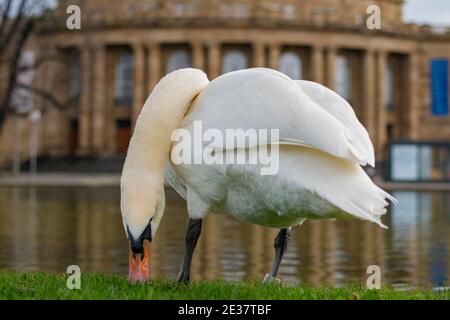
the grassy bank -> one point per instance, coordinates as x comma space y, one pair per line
98, 286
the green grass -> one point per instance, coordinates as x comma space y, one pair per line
15, 285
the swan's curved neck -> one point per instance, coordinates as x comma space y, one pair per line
161, 114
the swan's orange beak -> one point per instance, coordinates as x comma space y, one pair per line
139, 268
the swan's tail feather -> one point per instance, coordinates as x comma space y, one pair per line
363, 199
342, 183
370, 213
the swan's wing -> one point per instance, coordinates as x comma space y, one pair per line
339, 108
266, 99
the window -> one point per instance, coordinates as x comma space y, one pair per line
238, 10
275, 7
234, 60
124, 80
227, 10
146, 7
75, 80
420, 162
343, 78
389, 87
181, 9
241, 10
289, 11
177, 60
291, 65
439, 87
178, 9
404, 162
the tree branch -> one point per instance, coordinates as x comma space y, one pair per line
24, 34
16, 26
45, 95
5, 15
41, 60
21, 15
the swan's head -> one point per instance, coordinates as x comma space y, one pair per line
142, 205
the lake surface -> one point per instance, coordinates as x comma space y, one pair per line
51, 228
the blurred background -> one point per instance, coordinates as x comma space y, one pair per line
74, 75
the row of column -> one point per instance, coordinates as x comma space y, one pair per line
213, 64
147, 62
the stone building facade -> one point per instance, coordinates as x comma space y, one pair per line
125, 46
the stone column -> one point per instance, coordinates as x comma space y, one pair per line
381, 104
84, 125
317, 64
259, 55
414, 95
139, 85
369, 113
51, 133
154, 65
40, 77
274, 56
99, 107
214, 63
198, 57
331, 68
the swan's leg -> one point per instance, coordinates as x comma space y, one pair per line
193, 231
280, 244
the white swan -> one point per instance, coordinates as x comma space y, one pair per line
322, 146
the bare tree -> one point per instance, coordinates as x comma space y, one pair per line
19, 20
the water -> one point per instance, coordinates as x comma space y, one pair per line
51, 228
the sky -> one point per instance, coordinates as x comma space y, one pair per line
427, 11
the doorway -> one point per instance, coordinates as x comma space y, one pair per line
123, 135
73, 136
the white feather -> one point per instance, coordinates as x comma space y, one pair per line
334, 104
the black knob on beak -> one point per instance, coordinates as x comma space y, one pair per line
137, 245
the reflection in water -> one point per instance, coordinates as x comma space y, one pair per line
51, 228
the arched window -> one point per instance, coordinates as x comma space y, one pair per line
177, 60
343, 78
124, 79
291, 65
234, 60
